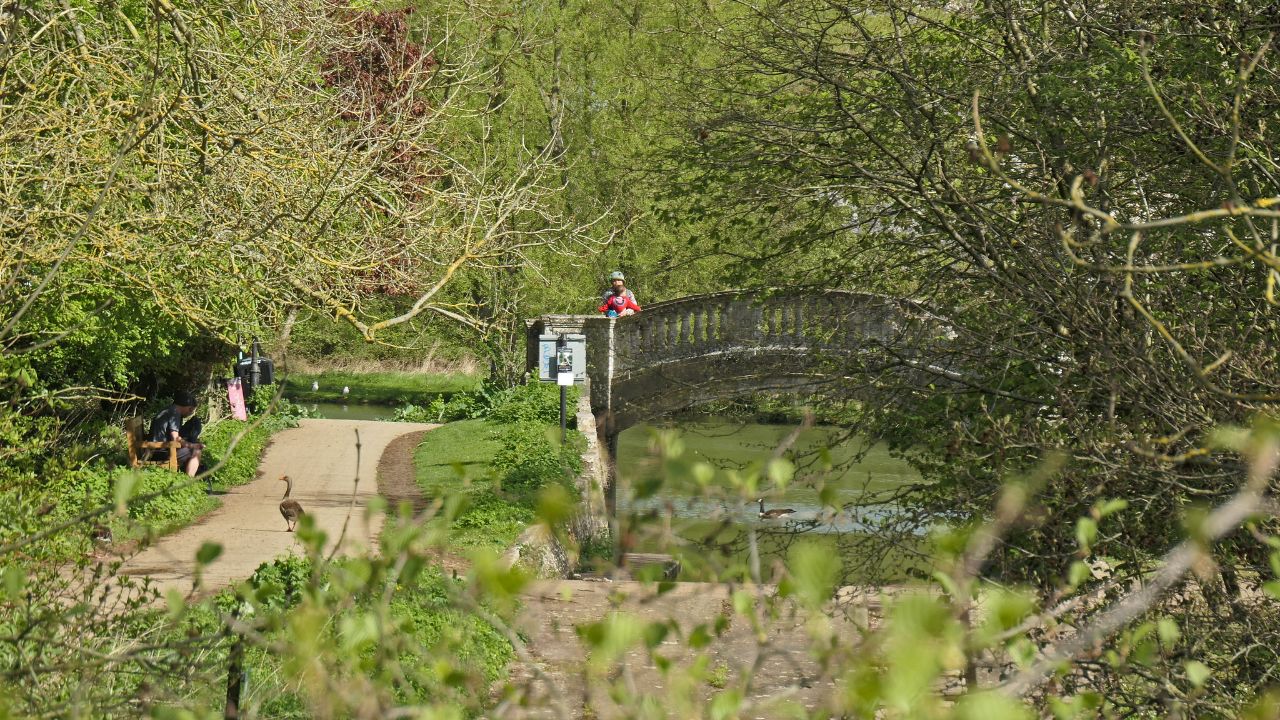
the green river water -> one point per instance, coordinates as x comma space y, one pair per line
856, 475
707, 527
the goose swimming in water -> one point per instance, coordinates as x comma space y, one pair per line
774, 513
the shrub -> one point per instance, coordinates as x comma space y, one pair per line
530, 458
279, 583
416, 413
534, 402
495, 516
262, 397
179, 499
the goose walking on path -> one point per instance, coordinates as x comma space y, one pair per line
290, 509
774, 513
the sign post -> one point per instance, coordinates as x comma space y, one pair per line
562, 359
564, 378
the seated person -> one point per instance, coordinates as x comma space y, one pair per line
168, 425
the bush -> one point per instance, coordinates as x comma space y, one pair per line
532, 402
262, 397
431, 413
179, 501
495, 516
530, 457
279, 583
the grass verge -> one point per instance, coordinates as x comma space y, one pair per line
433, 652
455, 461
384, 388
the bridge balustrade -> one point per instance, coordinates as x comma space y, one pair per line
711, 324
689, 349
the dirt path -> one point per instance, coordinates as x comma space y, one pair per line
320, 456
786, 669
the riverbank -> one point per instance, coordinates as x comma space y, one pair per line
384, 388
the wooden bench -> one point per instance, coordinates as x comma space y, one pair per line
141, 450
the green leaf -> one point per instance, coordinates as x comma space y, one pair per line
123, 489
554, 505
1111, 507
780, 471
1272, 588
1167, 630
15, 581
175, 601
944, 580
1086, 533
700, 637
814, 570
655, 633
991, 706
1197, 673
725, 704
208, 552
703, 473
1078, 573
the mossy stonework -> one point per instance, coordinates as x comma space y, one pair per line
683, 353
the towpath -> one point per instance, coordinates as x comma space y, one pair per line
320, 456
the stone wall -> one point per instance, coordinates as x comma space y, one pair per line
539, 550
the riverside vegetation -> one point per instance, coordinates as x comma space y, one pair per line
1087, 192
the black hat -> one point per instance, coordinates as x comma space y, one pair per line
183, 398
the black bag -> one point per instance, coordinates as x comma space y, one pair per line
266, 372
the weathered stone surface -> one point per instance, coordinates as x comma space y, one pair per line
687, 352
538, 551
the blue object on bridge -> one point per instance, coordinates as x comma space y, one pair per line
612, 313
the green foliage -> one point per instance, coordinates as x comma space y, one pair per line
383, 388
240, 465
532, 402
489, 520
531, 456
178, 499
495, 473
279, 584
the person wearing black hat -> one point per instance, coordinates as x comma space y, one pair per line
168, 425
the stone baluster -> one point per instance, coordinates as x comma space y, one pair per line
686, 332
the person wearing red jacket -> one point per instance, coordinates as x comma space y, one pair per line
616, 304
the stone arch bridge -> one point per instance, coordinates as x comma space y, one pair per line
687, 352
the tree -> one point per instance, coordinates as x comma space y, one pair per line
1083, 191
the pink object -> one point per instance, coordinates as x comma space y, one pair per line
235, 395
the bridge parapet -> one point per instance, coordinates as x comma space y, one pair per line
720, 322
633, 358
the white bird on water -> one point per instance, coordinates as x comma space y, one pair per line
315, 384
345, 389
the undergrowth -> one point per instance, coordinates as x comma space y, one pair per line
499, 463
